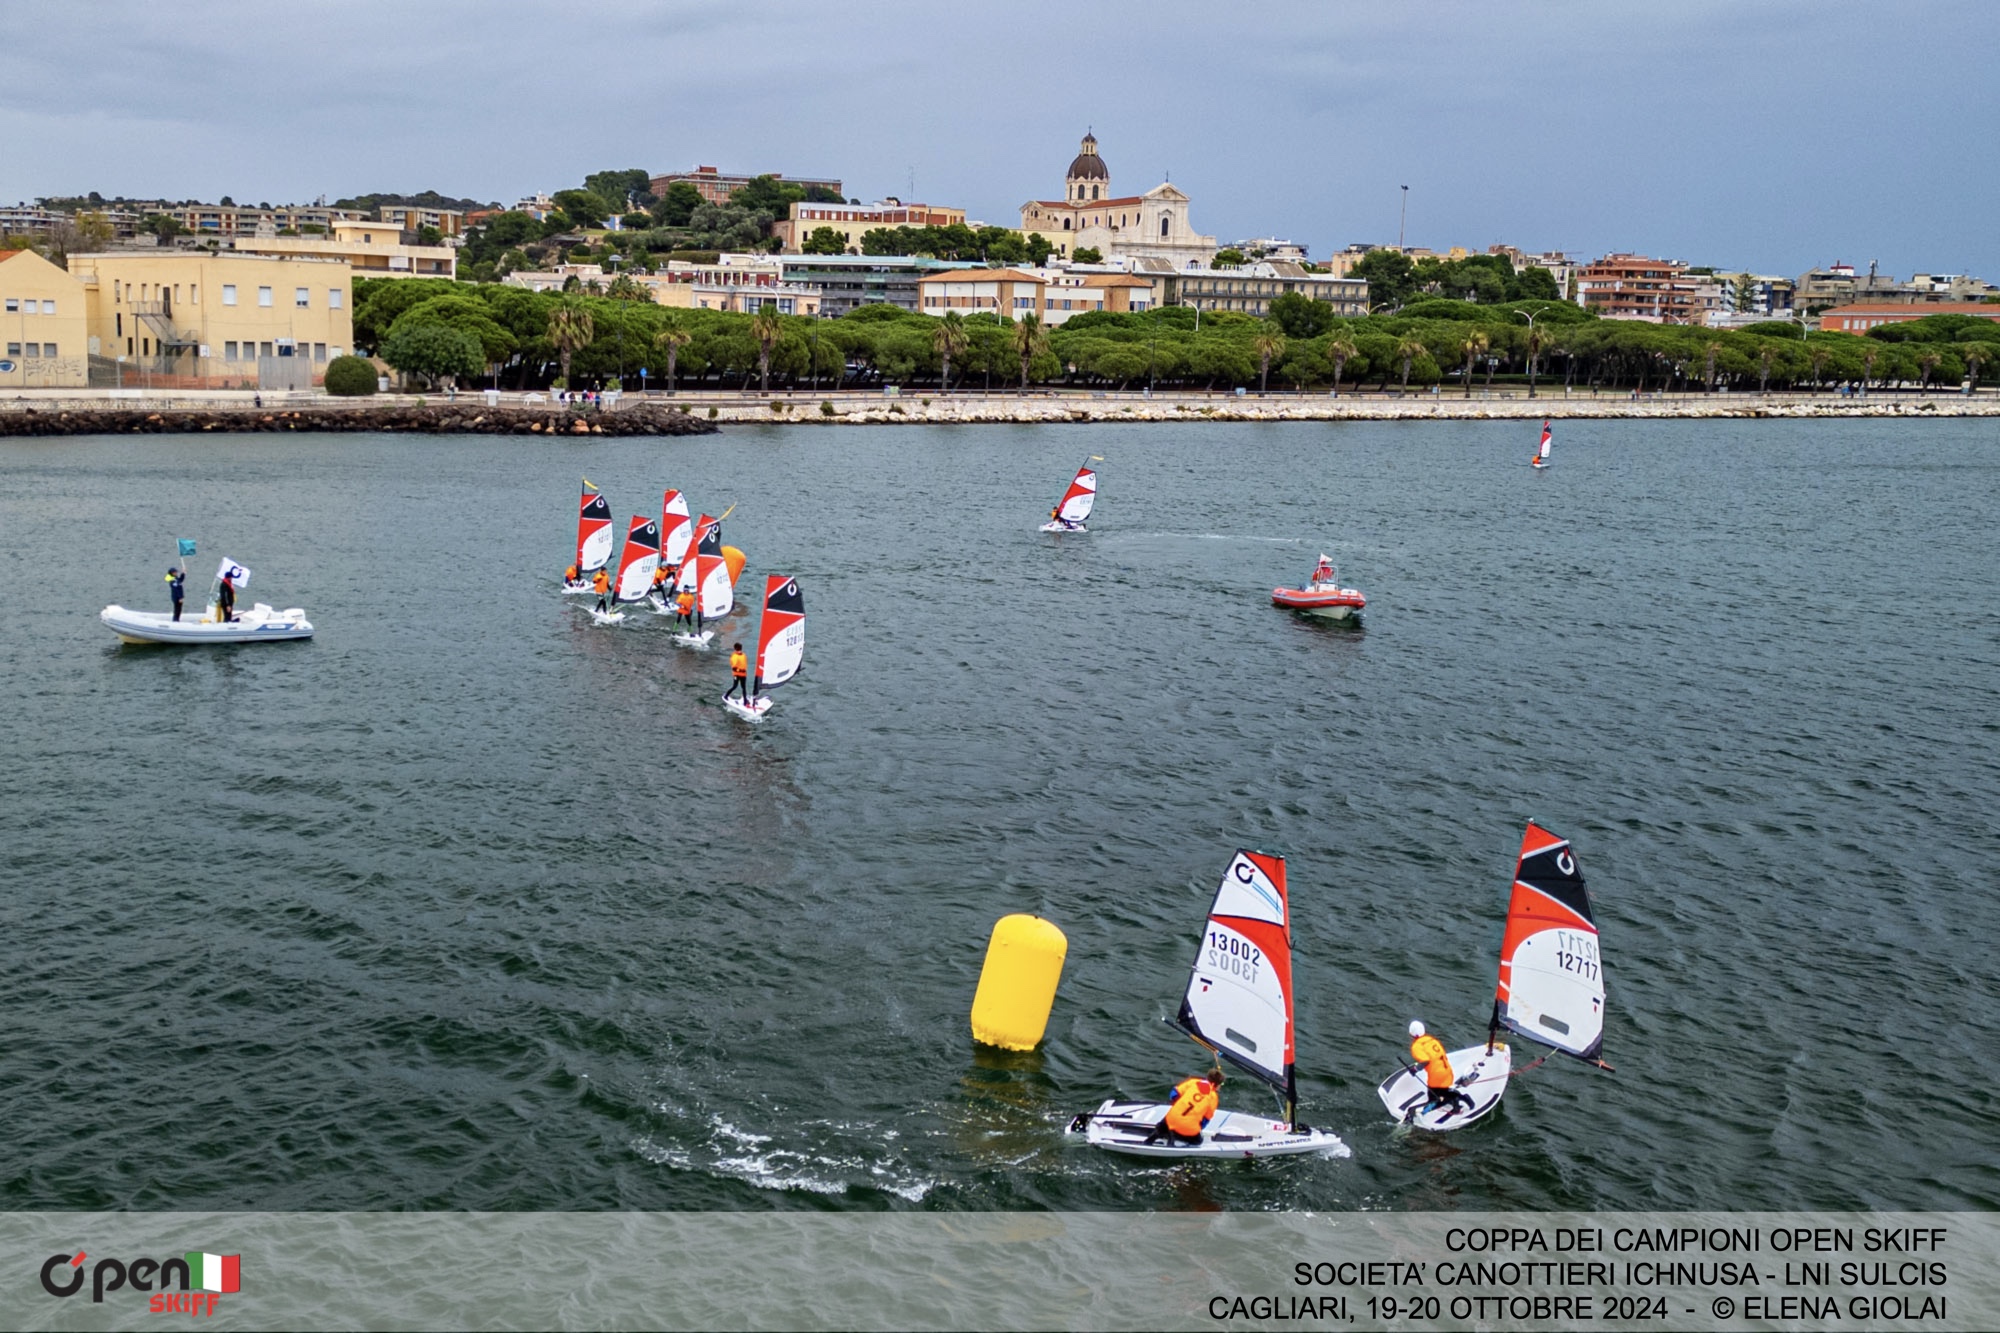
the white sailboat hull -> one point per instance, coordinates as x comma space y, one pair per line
700, 640
1122, 1127
1064, 527
753, 712
1481, 1077
258, 624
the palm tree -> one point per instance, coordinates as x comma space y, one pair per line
671, 338
570, 330
1408, 350
1030, 341
1817, 359
1767, 356
1974, 354
1927, 362
1869, 355
1708, 355
766, 328
1267, 344
1537, 342
949, 338
1472, 345
1340, 349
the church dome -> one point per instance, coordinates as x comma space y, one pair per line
1088, 165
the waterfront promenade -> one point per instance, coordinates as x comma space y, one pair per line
195, 409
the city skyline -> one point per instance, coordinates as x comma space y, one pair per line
1777, 137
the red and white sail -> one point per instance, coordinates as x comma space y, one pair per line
698, 540
1542, 452
709, 576
1551, 981
676, 531
640, 559
1239, 994
593, 531
1080, 498
781, 636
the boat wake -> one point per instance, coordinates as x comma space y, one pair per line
719, 1148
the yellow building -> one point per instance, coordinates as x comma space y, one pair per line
42, 324
372, 249
188, 319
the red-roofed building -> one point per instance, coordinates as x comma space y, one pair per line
1872, 315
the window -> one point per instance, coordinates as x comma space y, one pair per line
34, 349
48, 349
13, 349
194, 293
48, 307
229, 351
118, 325
335, 351
146, 346
302, 297
319, 351
264, 296
264, 349
229, 293
1163, 224
333, 295
13, 305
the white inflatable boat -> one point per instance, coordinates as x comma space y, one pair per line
255, 625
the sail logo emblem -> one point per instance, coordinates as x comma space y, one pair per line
1565, 862
191, 1283
1246, 874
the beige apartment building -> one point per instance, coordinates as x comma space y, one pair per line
189, 319
853, 220
43, 325
1052, 296
371, 249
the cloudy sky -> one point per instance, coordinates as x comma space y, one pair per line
1771, 135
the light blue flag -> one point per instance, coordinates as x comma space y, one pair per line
187, 546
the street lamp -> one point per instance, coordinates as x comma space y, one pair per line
1539, 311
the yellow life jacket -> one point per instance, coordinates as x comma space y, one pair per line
1428, 1051
1195, 1100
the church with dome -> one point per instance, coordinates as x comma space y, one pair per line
1089, 216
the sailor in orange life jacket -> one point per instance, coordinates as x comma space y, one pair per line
1429, 1052
739, 667
690, 614
1055, 515
661, 587
573, 577
600, 583
1194, 1104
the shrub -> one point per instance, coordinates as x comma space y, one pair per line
826, 409
350, 376
712, 414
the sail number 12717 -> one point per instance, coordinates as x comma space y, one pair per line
1576, 952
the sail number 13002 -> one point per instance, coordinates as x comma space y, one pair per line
1233, 954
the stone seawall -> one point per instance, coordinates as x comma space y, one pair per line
439, 419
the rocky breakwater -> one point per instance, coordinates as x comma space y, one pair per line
430, 419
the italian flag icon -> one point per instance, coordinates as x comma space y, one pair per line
214, 1272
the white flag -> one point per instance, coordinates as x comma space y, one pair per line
237, 575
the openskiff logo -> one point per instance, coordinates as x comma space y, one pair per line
190, 1284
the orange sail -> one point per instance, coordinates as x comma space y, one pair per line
1551, 987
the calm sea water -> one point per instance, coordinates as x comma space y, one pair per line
470, 904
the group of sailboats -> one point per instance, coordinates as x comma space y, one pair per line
1239, 1006
678, 566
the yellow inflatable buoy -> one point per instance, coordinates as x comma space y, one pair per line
1017, 986
734, 559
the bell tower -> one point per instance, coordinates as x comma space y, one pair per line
1088, 179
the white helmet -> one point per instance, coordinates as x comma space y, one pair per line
1416, 1027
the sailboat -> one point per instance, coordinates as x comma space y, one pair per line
1076, 503
1551, 989
676, 535
705, 573
781, 644
593, 539
1238, 1005
635, 568
1541, 458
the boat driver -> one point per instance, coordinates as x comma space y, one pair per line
1429, 1052
1194, 1104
